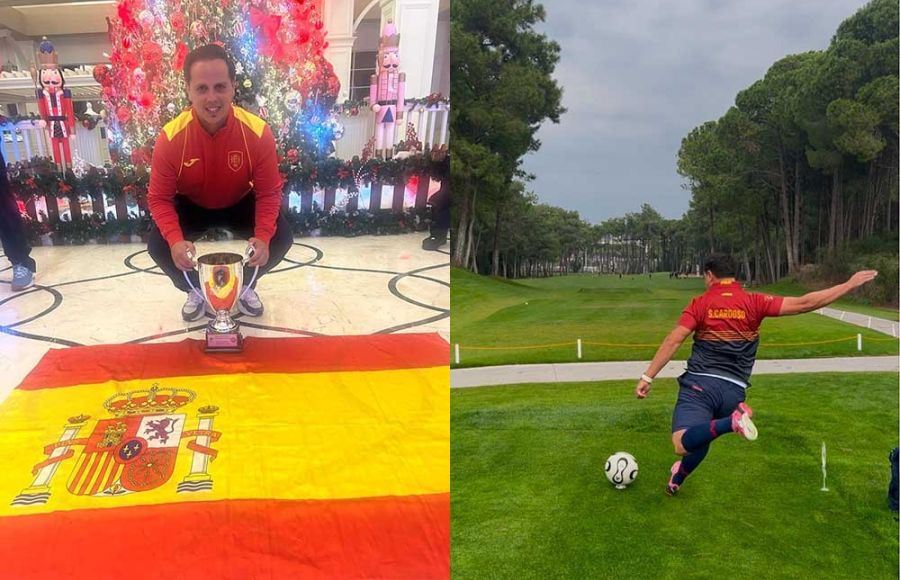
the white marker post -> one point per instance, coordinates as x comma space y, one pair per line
859, 342
579, 349
824, 471
456, 350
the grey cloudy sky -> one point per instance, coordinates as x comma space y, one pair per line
638, 75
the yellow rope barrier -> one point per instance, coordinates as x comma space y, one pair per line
808, 343
614, 345
888, 339
621, 345
462, 347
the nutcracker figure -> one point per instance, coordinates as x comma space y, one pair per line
55, 104
386, 91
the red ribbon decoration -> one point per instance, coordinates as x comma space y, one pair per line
268, 31
194, 446
51, 461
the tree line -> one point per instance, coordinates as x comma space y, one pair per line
801, 168
805, 162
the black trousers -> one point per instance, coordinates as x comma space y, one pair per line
440, 209
12, 230
196, 220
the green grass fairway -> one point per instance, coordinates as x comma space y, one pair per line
547, 315
530, 499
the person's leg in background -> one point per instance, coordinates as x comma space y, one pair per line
440, 212
13, 236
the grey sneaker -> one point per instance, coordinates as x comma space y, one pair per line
249, 303
22, 278
194, 307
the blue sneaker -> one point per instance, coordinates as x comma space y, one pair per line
22, 278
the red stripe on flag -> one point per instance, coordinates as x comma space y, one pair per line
95, 460
102, 475
76, 479
125, 362
395, 537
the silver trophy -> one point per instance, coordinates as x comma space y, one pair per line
221, 284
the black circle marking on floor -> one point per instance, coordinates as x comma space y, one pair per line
155, 270
57, 300
392, 286
166, 334
319, 255
38, 337
391, 272
150, 270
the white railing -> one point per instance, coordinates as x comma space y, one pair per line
431, 123
24, 140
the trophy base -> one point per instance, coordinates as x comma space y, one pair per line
224, 342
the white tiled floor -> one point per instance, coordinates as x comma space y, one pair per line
114, 294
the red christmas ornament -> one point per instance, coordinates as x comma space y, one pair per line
129, 61
123, 114
146, 100
152, 54
180, 54
101, 72
293, 156
177, 22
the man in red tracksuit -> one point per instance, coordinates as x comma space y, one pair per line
215, 166
725, 323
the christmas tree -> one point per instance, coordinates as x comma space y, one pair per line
277, 46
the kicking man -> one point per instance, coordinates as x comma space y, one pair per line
725, 323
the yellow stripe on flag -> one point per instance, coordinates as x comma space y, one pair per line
330, 435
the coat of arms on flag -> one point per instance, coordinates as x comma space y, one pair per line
332, 460
132, 452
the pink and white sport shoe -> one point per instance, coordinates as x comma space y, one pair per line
742, 424
672, 487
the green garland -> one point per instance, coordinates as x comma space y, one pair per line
96, 228
86, 121
352, 108
41, 177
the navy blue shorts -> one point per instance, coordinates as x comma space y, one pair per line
702, 399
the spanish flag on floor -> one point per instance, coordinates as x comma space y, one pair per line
298, 458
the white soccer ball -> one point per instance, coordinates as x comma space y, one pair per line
621, 469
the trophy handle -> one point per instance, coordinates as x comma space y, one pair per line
247, 255
191, 284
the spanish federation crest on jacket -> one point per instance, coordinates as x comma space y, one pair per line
132, 452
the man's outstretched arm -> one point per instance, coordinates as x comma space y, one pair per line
663, 355
815, 300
